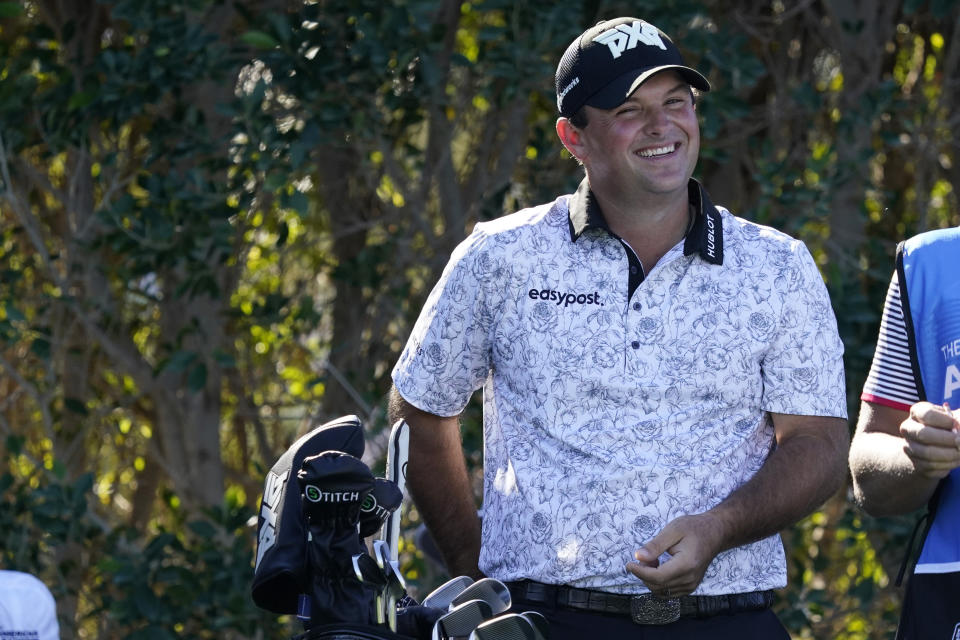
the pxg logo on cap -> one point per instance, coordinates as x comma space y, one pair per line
629, 35
607, 63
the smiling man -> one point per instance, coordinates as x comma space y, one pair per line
662, 381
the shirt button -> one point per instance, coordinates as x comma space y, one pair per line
635, 344
636, 306
633, 269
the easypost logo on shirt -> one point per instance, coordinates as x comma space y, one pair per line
628, 36
565, 298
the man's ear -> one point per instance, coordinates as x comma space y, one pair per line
571, 137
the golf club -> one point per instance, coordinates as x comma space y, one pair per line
442, 596
461, 620
398, 451
369, 573
510, 626
541, 626
395, 587
492, 591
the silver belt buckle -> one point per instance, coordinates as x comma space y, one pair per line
649, 609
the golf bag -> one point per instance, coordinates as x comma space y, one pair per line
281, 572
320, 502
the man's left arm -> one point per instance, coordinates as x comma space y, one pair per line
807, 466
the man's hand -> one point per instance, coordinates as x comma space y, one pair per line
898, 457
692, 542
932, 441
807, 466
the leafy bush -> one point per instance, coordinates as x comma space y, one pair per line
116, 582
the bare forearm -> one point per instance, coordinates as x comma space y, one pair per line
884, 479
896, 461
438, 482
800, 475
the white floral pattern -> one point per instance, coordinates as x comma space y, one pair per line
605, 418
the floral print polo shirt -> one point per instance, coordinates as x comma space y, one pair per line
612, 403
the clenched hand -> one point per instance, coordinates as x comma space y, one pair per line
932, 439
692, 542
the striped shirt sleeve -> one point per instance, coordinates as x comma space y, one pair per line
891, 381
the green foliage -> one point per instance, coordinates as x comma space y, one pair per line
220, 219
37, 517
832, 559
188, 582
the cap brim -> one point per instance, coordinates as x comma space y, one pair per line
615, 93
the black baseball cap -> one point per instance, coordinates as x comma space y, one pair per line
607, 63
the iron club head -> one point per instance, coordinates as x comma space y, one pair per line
461, 620
541, 625
442, 596
509, 626
490, 590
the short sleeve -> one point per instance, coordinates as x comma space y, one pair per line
447, 356
803, 369
891, 381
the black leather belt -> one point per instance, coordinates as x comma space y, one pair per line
642, 609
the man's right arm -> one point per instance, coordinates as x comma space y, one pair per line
897, 458
438, 482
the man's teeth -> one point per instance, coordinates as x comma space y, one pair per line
659, 151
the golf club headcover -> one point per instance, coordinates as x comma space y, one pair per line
334, 485
380, 503
279, 577
417, 621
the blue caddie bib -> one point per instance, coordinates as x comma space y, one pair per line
929, 272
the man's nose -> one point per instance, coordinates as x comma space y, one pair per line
656, 121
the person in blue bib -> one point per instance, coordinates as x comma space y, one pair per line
906, 451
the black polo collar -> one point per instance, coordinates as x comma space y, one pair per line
704, 237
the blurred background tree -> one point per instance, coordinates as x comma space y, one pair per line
219, 218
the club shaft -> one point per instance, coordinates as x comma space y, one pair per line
398, 451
